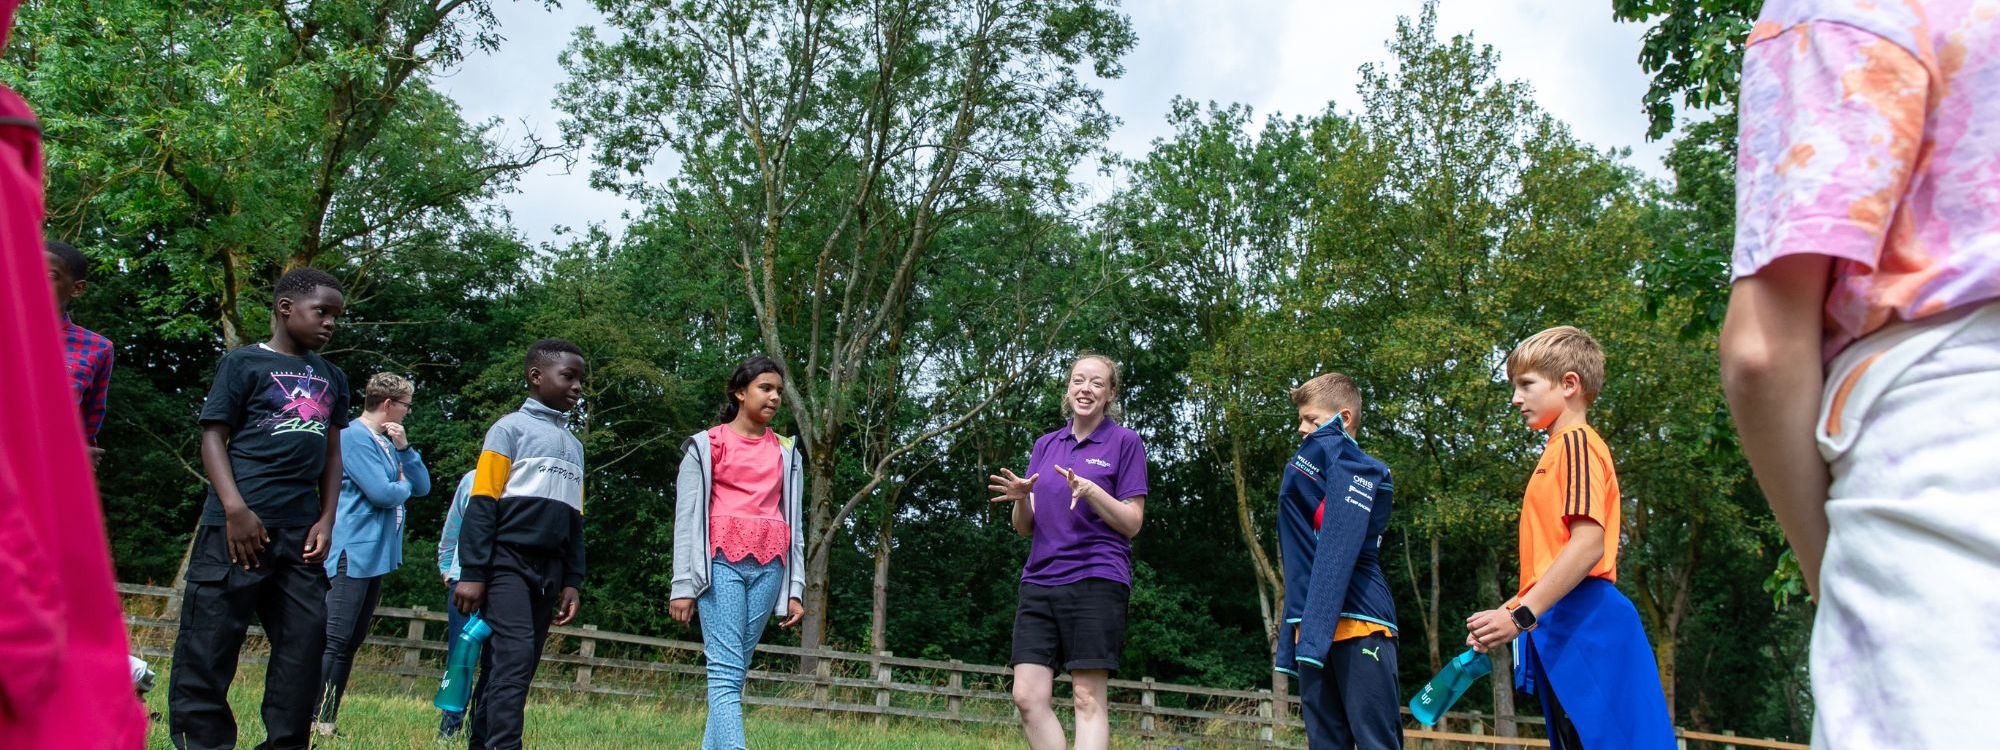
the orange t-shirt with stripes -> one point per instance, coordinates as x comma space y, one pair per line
1574, 479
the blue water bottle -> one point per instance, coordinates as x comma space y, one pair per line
455, 690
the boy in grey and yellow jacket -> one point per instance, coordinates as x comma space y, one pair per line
520, 549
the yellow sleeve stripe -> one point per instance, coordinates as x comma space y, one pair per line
490, 479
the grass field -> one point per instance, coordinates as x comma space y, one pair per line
377, 716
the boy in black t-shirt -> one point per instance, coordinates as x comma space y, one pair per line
273, 463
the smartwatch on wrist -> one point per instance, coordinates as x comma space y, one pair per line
1524, 618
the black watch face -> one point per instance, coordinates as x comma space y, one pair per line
1523, 618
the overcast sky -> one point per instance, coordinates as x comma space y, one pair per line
1278, 56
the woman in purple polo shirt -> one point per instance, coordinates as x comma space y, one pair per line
1081, 503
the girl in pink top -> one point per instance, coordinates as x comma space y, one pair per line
1861, 353
739, 538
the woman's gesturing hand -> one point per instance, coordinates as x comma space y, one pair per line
1008, 487
1080, 487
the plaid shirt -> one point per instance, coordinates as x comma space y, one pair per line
89, 358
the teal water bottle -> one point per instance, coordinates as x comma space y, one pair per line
455, 690
1448, 686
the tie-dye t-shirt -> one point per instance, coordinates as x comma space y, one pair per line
1871, 135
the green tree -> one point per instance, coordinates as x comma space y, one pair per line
1693, 49
1409, 280
195, 151
226, 141
822, 148
1463, 220
1210, 212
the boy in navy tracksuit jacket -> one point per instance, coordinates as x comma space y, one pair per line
1339, 630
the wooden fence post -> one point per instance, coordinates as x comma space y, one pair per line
588, 651
955, 705
1267, 731
1281, 689
1147, 700
822, 669
412, 655
882, 693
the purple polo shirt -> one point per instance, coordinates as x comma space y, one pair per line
1071, 545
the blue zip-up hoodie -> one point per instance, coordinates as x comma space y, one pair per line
1333, 507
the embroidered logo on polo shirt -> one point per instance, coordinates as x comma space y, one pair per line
1098, 462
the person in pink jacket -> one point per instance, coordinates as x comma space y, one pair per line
64, 679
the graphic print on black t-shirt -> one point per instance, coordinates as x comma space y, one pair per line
278, 409
304, 401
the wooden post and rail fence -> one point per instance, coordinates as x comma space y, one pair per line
585, 660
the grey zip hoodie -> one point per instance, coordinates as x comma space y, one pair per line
692, 492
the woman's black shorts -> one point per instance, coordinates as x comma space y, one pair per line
1073, 626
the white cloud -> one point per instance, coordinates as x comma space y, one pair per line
517, 84
1278, 57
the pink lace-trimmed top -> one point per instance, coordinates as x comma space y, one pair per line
745, 518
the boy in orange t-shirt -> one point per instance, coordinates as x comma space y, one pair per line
1581, 648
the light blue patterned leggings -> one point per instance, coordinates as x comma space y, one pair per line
740, 598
